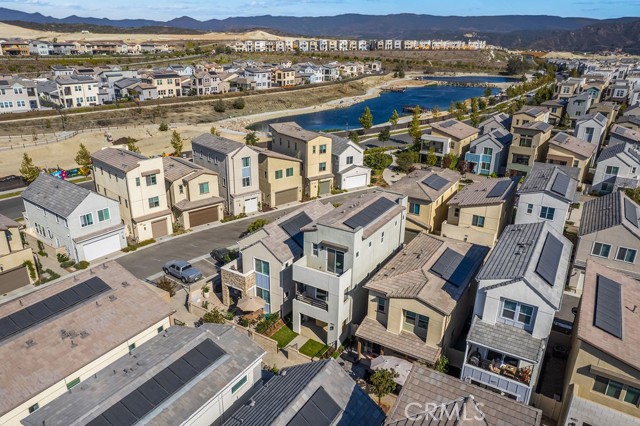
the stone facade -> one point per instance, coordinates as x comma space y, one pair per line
232, 276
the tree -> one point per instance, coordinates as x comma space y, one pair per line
487, 92
131, 145
27, 169
83, 157
450, 161
482, 104
238, 103
167, 285
517, 66
382, 383
163, 127
251, 138
214, 131
394, 118
565, 121
176, 143
414, 126
406, 159
475, 119
218, 106
441, 364
385, 134
474, 105
378, 160
452, 107
366, 119
353, 136
214, 316
435, 111
432, 158
256, 225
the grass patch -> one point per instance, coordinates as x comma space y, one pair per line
284, 336
313, 349
10, 195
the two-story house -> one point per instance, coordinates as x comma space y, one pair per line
591, 128
71, 219
528, 115
77, 91
261, 77
284, 77
420, 300
569, 87
449, 137
520, 289
624, 135
499, 121
547, 195
13, 254
279, 177
578, 105
428, 192
618, 166
168, 83
18, 95
341, 249
567, 150
237, 167
530, 143
556, 109
347, 164
479, 212
207, 83
137, 183
489, 153
314, 149
602, 379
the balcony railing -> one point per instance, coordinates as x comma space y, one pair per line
321, 304
521, 375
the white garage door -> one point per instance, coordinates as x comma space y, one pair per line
251, 205
357, 181
101, 247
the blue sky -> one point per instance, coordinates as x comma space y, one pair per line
208, 9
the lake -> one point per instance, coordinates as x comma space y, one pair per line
473, 79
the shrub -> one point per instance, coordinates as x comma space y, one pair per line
31, 268
243, 322
267, 323
163, 127
214, 316
218, 106
256, 225
83, 264
67, 264
62, 257
238, 103
167, 285
378, 161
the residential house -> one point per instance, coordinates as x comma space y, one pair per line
14, 272
134, 88
602, 379
61, 71
284, 77
429, 398
547, 195
71, 219
237, 167
76, 325
68, 48
530, 144
279, 178
619, 91
591, 128
347, 164
529, 115
261, 76
428, 192
630, 121
479, 212
557, 108
264, 267
202, 374
488, 154
314, 149
595, 88
569, 87
40, 48
192, 193
499, 121
618, 167
319, 392
207, 83
608, 109
18, 94
624, 135
449, 137
168, 83
578, 105
609, 234
566, 150
137, 183
331, 71
77, 91
14, 47
520, 289
420, 300
341, 250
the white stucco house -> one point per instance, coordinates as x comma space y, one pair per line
618, 166
591, 128
347, 160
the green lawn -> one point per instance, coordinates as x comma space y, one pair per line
10, 195
284, 336
313, 349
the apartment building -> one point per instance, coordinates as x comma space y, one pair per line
18, 94
618, 167
488, 154
13, 255
279, 177
566, 150
77, 91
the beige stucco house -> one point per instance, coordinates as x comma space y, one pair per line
13, 273
530, 143
279, 177
567, 150
479, 212
449, 137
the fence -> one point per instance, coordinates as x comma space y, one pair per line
549, 406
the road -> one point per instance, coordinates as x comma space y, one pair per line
148, 262
13, 207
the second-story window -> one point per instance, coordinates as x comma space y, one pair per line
204, 187
547, 213
626, 255
103, 215
526, 141
323, 149
314, 249
350, 159
414, 208
86, 220
529, 208
322, 166
517, 312
246, 182
154, 202
137, 181
381, 305
611, 170
181, 189
290, 172
478, 221
151, 180
278, 174
414, 322
335, 261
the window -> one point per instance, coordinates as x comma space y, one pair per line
611, 170
547, 213
204, 187
576, 163
414, 208
588, 134
151, 180
607, 387
290, 172
181, 189
132, 347
517, 312
137, 181
526, 141
485, 166
86, 220
103, 215
160, 329
154, 202
262, 267
314, 149
632, 396
278, 174
238, 384
314, 249
413, 321
601, 250
321, 294
478, 221
224, 182
626, 255
246, 162
529, 208
73, 383
246, 181
34, 407
487, 151
323, 149
509, 309
381, 304
525, 315
17, 90
335, 261
350, 159
323, 166
456, 212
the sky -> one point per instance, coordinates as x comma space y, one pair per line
208, 9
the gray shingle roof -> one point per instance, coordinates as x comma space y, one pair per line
606, 212
598, 117
542, 176
611, 151
501, 118
217, 143
411, 185
477, 193
632, 120
507, 339
285, 394
55, 195
338, 143
292, 129
120, 159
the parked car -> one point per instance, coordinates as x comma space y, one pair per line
182, 270
224, 255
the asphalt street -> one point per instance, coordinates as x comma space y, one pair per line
13, 207
402, 141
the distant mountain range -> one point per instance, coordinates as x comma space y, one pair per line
517, 31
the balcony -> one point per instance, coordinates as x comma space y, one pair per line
321, 304
499, 367
513, 388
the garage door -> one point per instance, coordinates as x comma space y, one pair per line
203, 216
251, 205
357, 181
14, 279
324, 187
101, 247
288, 196
159, 228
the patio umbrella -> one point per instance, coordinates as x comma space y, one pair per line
399, 365
250, 304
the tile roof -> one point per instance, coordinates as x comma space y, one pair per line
611, 151
284, 395
533, 111
55, 195
454, 128
501, 118
120, 159
179, 168
186, 205
542, 178
427, 386
54, 358
478, 193
507, 339
626, 133
535, 125
632, 120
499, 137
578, 146
217, 143
598, 117
412, 184
273, 154
606, 212
340, 144
99, 393
6, 223
293, 130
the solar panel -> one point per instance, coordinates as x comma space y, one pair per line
499, 188
448, 124
370, 213
456, 268
561, 184
292, 226
562, 137
630, 212
168, 380
549, 260
119, 415
319, 410
137, 404
435, 182
608, 309
183, 370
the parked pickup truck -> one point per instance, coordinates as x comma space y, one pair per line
182, 270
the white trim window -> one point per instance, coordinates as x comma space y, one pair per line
547, 213
103, 215
601, 249
517, 312
626, 255
86, 220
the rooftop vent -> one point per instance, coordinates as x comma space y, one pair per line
112, 298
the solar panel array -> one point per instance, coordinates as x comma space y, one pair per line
292, 227
448, 123
499, 188
435, 182
40, 311
140, 402
561, 184
631, 212
319, 410
549, 260
608, 309
370, 213
456, 268
562, 137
